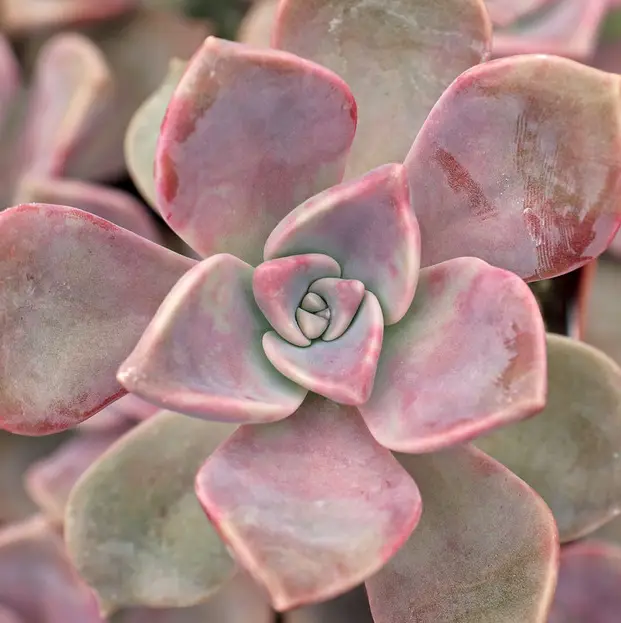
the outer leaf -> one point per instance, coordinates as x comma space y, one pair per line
351, 607
277, 154
468, 357
133, 526
202, 353
8, 616
256, 27
504, 12
588, 584
397, 57
77, 293
144, 130
570, 452
485, 550
518, 164
36, 580
368, 227
311, 506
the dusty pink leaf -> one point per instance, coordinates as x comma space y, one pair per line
280, 284
504, 12
133, 526
352, 607
588, 584
8, 616
397, 57
278, 153
569, 453
367, 225
342, 370
258, 23
77, 293
518, 164
113, 205
202, 353
312, 505
37, 581
50, 480
485, 551
469, 356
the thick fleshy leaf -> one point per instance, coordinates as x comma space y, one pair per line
258, 23
469, 356
485, 550
9, 616
397, 57
50, 481
277, 154
37, 581
77, 293
127, 410
504, 12
352, 607
312, 505
367, 225
202, 353
588, 584
133, 526
144, 130
546, 196
279, 286
113, 205
342, 370
570, 452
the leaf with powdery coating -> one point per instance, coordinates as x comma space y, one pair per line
133, 526
317, 510
77, 294
37, 582
202, 353
144, 130
570, 453
474, 336
485, 551
518, 164
280, 149
588, 584
398, 56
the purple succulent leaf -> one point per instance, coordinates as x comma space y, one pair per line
65, 320
342, 370
144, 130
397, 57
279, 285
50, 481
37, 582
257, 25
543, 200
486, 548
367, 225
473, 336
570, 452
142, 539
352, 607
320, 508
588, 584
505, 12
10, 77
278, 153
108, 203
8, 616
202, 353
564, 27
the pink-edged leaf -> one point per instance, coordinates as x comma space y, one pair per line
22, 16
352, 607
485, 551
9, 77
342, 370
397, 57
545, 198
469, 356
77, 293
258, 23
108, 203
202, 352
37, 581
367, 225
133, 526
279, 285
504, 12
50, 481
278, 153
588, 584
569, 453
564, 27
312, 505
